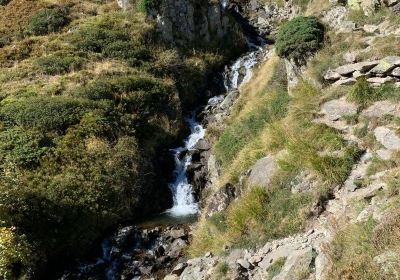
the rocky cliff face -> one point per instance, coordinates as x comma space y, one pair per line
184, 22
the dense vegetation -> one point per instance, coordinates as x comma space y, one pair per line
299, 38
90, 96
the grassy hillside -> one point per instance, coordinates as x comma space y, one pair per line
266, 120
89, 96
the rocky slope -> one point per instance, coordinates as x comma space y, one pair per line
367, 195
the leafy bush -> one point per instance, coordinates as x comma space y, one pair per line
58, 64
15, 254
144, 5
22, 147
299, 38
95, 38
46, 112
48, 20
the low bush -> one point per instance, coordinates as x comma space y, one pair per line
48, 20
46, 113
300, 38
93, 38
58, 64
16, 255
4, 2
22, 147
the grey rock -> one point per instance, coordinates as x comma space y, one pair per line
332, 76
381, 108
244, 264
202, 145
338, 108
229, 100
350, 57
391, 2
380, 80
387, 138
360, 66
384, 154
396, 9
386, 65
370, 28
345, 82
262, 172
179, 268
396, 72
177, 233
220, 200
125, 4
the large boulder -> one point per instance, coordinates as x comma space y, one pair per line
262, 172
338, 108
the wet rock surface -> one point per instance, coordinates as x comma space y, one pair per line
137, 253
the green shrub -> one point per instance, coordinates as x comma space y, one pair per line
95, 38
58, 64
16, 254
300, 38
46, 112
144, 5
48, 20
22, 147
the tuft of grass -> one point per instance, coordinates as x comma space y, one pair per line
258, 216
353, 249
272, 106
276, 268
363, 94
352, 253
222, 269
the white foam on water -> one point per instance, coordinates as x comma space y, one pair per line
184, 201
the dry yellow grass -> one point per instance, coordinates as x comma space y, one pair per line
250, 92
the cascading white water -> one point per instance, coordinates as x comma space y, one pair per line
184, 201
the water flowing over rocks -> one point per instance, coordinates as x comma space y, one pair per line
133, 252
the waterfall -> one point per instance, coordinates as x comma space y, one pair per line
184, 201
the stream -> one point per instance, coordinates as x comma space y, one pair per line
153, 248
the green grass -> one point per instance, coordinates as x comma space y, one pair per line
271, 109
363, 94
276, 268
354, 248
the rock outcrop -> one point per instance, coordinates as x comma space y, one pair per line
185, 22
376, 72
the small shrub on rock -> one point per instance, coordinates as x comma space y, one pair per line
300, 38
48, 20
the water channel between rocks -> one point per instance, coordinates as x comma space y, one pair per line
154, 246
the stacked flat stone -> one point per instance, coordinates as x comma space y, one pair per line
376, 72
